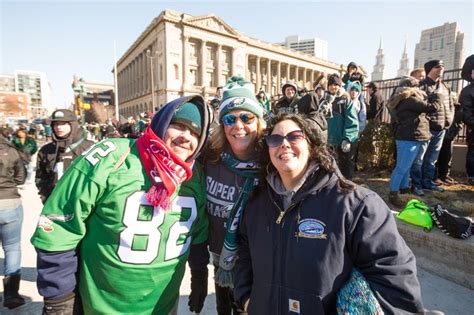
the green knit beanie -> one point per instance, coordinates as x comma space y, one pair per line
239, 94
189, 115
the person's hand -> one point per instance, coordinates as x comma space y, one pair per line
198, 292
59, 306
345, 146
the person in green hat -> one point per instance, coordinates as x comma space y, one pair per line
134, 209
231, 172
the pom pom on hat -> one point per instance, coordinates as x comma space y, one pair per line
239, 94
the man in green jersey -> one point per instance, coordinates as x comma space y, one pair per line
120, 224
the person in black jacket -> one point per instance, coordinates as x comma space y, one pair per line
423, 170
466, 98
287, 103
69, 141
306, 229
12, 174
376, 102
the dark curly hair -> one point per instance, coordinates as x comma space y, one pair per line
319, 152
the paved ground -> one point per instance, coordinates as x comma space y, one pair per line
440, 296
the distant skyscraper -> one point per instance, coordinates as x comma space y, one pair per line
313, 46
444, 42
404, 68
37, 86
379, 66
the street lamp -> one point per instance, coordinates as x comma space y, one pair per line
151, 56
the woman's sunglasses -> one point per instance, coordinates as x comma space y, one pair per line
230, 119
293, 137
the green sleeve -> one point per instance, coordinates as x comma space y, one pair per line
61, 224
200, 232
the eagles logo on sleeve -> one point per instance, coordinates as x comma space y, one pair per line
46, 221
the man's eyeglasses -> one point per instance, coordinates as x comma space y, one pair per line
230, 119
293, 137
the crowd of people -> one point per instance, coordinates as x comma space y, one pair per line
260, 188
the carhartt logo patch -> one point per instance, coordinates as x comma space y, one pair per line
294, 306
311, 228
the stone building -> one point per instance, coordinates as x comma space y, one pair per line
195, 54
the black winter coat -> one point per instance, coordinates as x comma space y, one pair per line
376, 103
307, 252
410, 108
54, 159
12, 170
466, 98
443, 117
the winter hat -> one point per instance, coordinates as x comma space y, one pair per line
289, 84
431, 64
63, 115
238, 94
334, 79
408, 81
352, 64
189, 115
356, 86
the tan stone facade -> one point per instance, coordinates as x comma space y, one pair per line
194, 55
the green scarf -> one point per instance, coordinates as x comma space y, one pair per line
249, 171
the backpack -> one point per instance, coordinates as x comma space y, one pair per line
416, 213
451, 224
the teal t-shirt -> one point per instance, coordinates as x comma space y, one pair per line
132, 255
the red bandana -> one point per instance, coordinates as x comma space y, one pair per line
164, 168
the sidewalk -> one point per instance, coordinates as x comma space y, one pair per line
440, 296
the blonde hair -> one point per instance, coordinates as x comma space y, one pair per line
416, 72
219, 141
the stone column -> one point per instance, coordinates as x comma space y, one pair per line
269, 76
304, 77
287, 72
219, 66
203, 63
259, 75
185, 62
278, 78
248, 75
233, 63
296, 74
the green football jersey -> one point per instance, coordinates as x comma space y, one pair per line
132, 255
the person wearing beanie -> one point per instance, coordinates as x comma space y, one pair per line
423, 171
134, 209
12, 174
69, 141
352, 74
466, 98
343, 126
287, 103
231, 173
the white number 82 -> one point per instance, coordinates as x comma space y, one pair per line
150, 228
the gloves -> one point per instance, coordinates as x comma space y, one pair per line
64, 305
198, 260
345, 146
198, 291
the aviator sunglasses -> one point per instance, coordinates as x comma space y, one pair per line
292, 137
230, 119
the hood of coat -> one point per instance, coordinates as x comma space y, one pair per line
76, 134
162, 119
315, 179
402, 93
